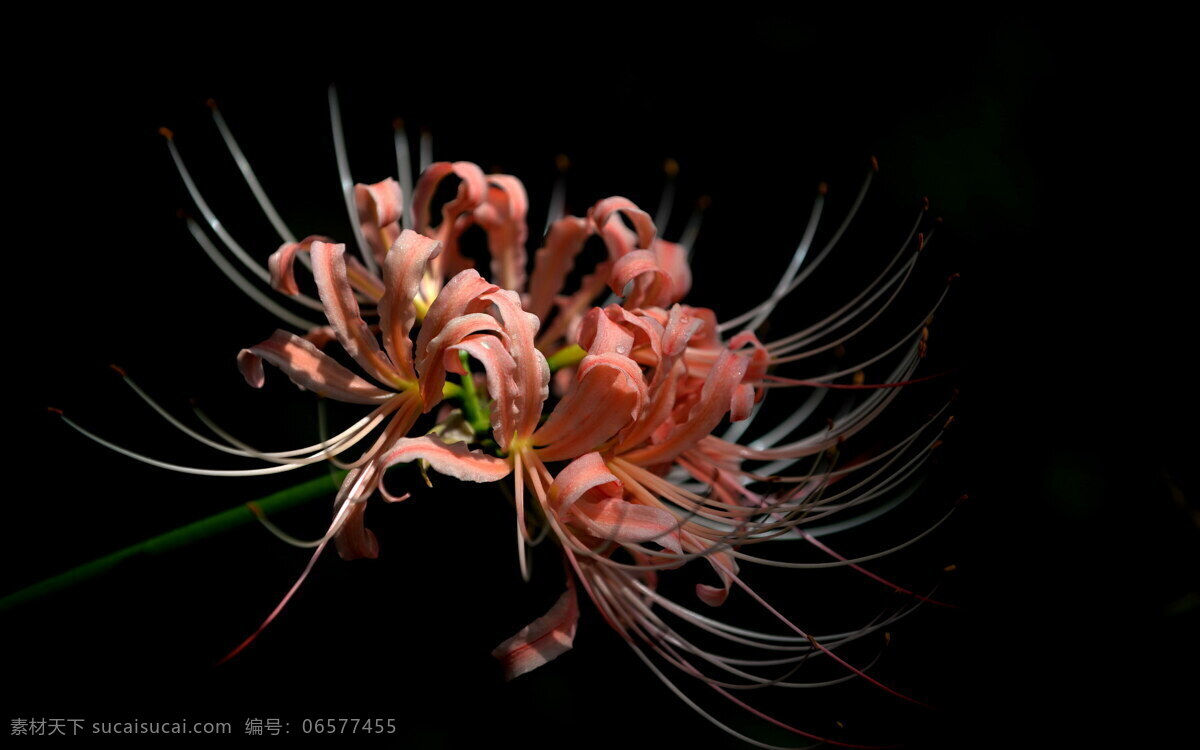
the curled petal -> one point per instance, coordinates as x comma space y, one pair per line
672, 258
281, 263
379, 208
553, 262
742, 403
308, 367
455, 214
616, 235
502, 216
542, 640
585, 473
439, 358
337, 297
450, 459
576, 425
715, 398
623, 522
651, 284
402, 272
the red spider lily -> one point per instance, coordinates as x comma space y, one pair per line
642, 485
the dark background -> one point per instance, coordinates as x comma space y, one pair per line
1052, 154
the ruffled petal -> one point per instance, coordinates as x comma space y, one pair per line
553, 262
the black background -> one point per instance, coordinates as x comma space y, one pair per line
1052, 153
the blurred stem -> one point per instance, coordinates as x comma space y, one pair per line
565, 357
181, 537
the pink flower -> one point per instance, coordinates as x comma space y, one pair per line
637, 465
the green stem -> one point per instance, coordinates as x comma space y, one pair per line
565, 357
480, 419
181, 537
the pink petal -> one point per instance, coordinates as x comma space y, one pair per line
379, 209
450, 459
672, 258
623, 522
715, 398
585, 473
459, 329
542, 640
532, 375
553, 262
403, 270
651, 284
455, 215
502, 216
615, 234
337, 297
308, 367
576, 425
281, 263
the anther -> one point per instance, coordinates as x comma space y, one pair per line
823, 189
562, 163
119, 370
860, 377
920, 241
925, 203
703, 202
950, 568
210, 103
398, 123
166, 133
887, 637
671, 167
874, 164
54, 410
839, 351
962, 499
954, 277
949, 421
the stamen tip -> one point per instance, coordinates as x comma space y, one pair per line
54, 410
860, 377
398, 123
962, 499
823, 189
671, 167
950, 568
211, 103
874, 164
166, 133
562, 162
839, 351
949, 421
954, 277
119, 370
925, 202
887, 636
703, 202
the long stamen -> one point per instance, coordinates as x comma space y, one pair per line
404, 169
343, 167
268, 304
243, 164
